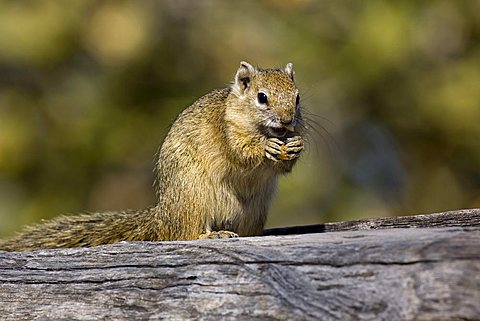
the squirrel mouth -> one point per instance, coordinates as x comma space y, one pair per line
277, 131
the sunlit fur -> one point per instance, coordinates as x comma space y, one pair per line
211, 174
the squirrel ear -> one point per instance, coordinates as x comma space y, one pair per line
289, 70
243, 77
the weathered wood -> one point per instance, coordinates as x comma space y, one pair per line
384, 274
467, 217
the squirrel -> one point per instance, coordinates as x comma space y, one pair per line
216, 173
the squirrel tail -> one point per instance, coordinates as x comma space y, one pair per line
85, 230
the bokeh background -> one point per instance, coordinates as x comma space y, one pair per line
391, 89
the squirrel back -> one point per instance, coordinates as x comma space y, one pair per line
217, 170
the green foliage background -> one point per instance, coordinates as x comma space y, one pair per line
88, 90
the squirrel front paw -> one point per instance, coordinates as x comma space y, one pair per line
218, 235
277, 150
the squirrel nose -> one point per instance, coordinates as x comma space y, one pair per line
289, 124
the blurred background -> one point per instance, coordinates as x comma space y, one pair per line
391, 90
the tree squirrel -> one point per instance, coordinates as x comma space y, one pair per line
216, 173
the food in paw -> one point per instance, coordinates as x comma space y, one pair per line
284, 154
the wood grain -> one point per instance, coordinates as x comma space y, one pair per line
365, 274
466, 217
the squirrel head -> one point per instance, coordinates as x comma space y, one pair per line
270, 97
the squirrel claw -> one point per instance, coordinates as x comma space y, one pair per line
273, 149
296, 141
271, 157
276, 150
218, 235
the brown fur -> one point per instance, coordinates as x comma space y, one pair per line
212, 171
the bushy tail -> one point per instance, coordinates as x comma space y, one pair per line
85, 230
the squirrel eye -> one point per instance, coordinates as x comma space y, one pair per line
262, 98
297, 101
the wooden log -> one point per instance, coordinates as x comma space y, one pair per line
364, 274
466, 217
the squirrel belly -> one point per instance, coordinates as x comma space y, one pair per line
216, 172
